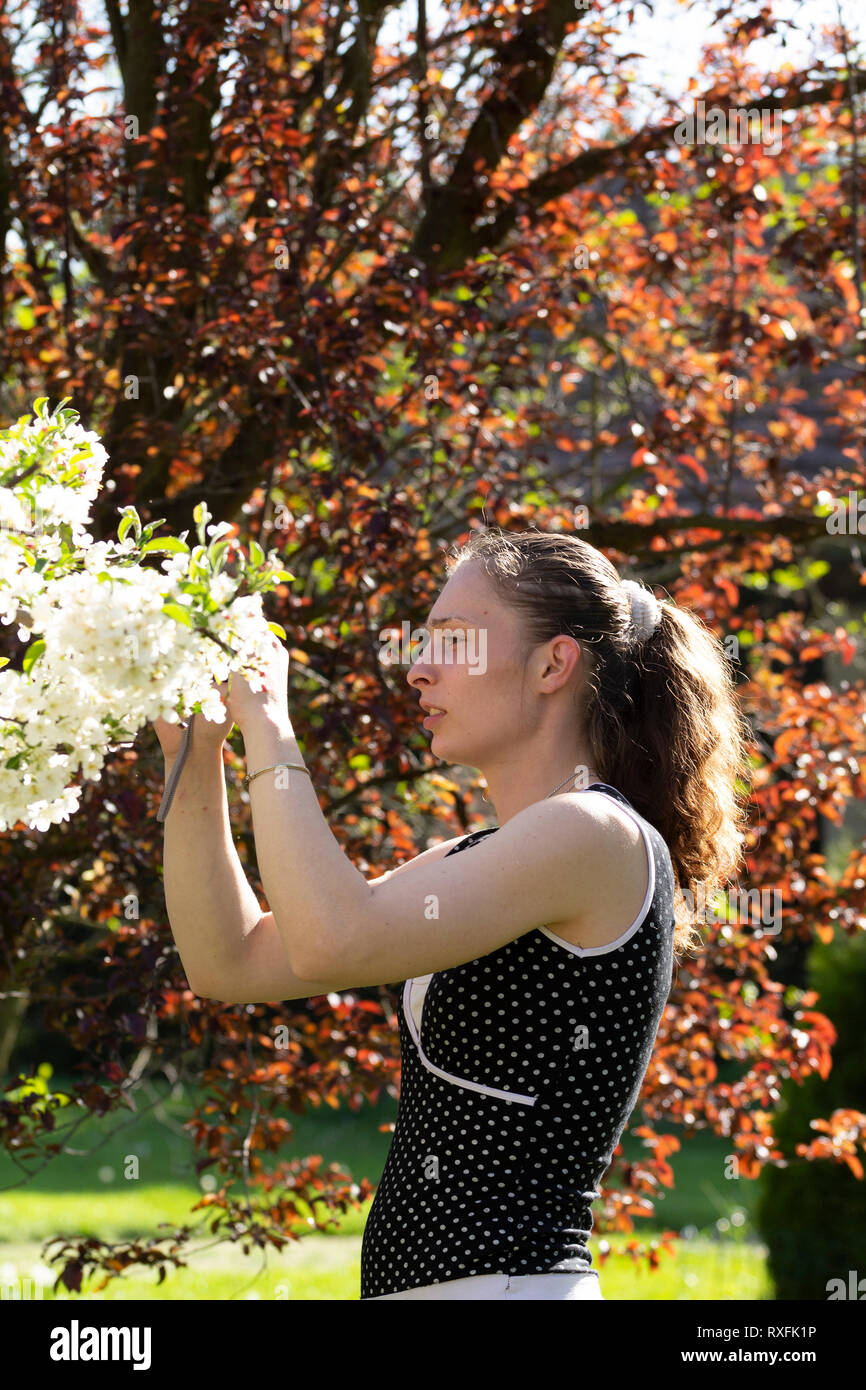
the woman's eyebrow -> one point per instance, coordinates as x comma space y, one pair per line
455, 618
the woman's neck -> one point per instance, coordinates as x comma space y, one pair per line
509, 800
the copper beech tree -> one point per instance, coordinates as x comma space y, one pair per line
364, 290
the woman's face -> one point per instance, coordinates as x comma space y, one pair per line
472, 667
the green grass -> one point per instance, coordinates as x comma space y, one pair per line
328, 1268
85, 1193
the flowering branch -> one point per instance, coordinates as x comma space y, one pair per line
112, 642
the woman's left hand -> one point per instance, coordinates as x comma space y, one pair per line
250, 708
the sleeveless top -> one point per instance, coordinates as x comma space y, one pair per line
520, 1070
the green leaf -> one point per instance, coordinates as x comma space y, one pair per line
176, 610
257, 555
29, 558
201, 515
217, 555
32, 654
168, 545
788, 578
816, 569
130, 519
279, 631
324, 580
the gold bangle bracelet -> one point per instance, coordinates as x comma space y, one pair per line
299, 766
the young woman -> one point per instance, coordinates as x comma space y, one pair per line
536, 967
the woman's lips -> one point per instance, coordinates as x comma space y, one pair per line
431, 719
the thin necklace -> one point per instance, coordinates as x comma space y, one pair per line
569, 778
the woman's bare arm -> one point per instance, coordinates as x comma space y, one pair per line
265, 967
229, 948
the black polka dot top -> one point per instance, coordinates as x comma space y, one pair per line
520, 1070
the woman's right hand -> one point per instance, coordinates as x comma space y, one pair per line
170, 737
206, 734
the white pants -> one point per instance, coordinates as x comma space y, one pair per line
505, 1288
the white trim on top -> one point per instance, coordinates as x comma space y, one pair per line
648, 897
414, 1029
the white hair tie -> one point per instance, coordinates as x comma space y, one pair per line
646, 611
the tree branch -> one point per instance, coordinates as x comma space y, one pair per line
525, 64
96, 261
118, 32
454, 208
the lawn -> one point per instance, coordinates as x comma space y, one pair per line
718, 1255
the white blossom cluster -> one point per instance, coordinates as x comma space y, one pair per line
113, 643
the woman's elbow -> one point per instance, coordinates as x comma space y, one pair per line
209, 992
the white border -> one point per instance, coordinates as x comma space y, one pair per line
638, 921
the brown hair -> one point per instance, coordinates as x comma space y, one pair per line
660, 716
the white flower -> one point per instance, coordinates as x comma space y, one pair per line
222, 588
112, 659
13, 513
